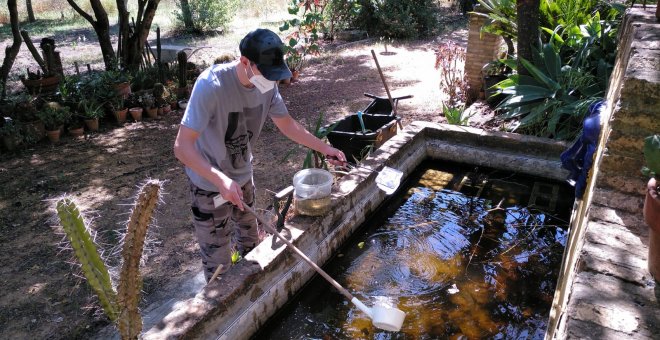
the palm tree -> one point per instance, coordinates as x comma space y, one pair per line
528, 30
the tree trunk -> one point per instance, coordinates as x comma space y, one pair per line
28, 5
187, 15
101, 26
134, 40
10, 51
528, 30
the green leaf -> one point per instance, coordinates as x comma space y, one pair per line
519, 111
361, 245
552, 61
529, 90
235, 257
652, 153
554, 36
293, 42
540, 76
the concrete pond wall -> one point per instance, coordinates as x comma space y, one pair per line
235, 306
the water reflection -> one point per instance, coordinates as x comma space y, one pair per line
465, 252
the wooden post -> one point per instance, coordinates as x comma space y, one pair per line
75, 64
89, 68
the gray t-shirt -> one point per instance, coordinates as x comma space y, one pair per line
229, 118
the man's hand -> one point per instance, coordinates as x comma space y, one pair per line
230, 191
335, 156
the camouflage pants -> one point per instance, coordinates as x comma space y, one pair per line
214, 230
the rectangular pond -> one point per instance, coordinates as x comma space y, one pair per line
426, 248
463, 250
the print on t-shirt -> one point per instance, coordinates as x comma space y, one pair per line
238, 136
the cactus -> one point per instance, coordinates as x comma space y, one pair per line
130, 280
121, 306
158, 91
182, 58
83, 246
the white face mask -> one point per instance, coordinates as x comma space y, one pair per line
260, 82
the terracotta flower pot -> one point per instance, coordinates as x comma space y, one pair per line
92, 124
36, 129
77, 132
121, 115
152, 112
10, 142
652, 219
54, 135
122, 89
41, 86
136, 113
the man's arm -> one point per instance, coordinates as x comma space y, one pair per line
185, 151
297, 133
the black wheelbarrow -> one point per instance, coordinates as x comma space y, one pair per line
380, 124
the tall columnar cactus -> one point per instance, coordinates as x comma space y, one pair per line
130, 280
85, 250
121, 306
182, 58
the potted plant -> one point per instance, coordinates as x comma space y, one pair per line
119, 108
11, 133
25, 110
54, 117
652, 201
149, 103
172, 99
91, 112
76, 127
119, 81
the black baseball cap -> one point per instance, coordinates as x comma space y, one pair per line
264, 48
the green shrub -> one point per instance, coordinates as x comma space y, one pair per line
407, 19
389, 18
207, 15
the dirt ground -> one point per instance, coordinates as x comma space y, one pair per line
44, 296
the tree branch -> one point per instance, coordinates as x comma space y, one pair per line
10, 51
81, 12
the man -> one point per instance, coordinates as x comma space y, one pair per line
226, 111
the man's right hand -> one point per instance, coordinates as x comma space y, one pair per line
230, 191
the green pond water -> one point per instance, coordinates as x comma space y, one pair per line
465, 252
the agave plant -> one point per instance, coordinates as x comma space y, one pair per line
553, 100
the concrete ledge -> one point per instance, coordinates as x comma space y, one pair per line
613, 308
254, 289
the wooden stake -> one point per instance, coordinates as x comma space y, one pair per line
75, 63
382, 77
215, 274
